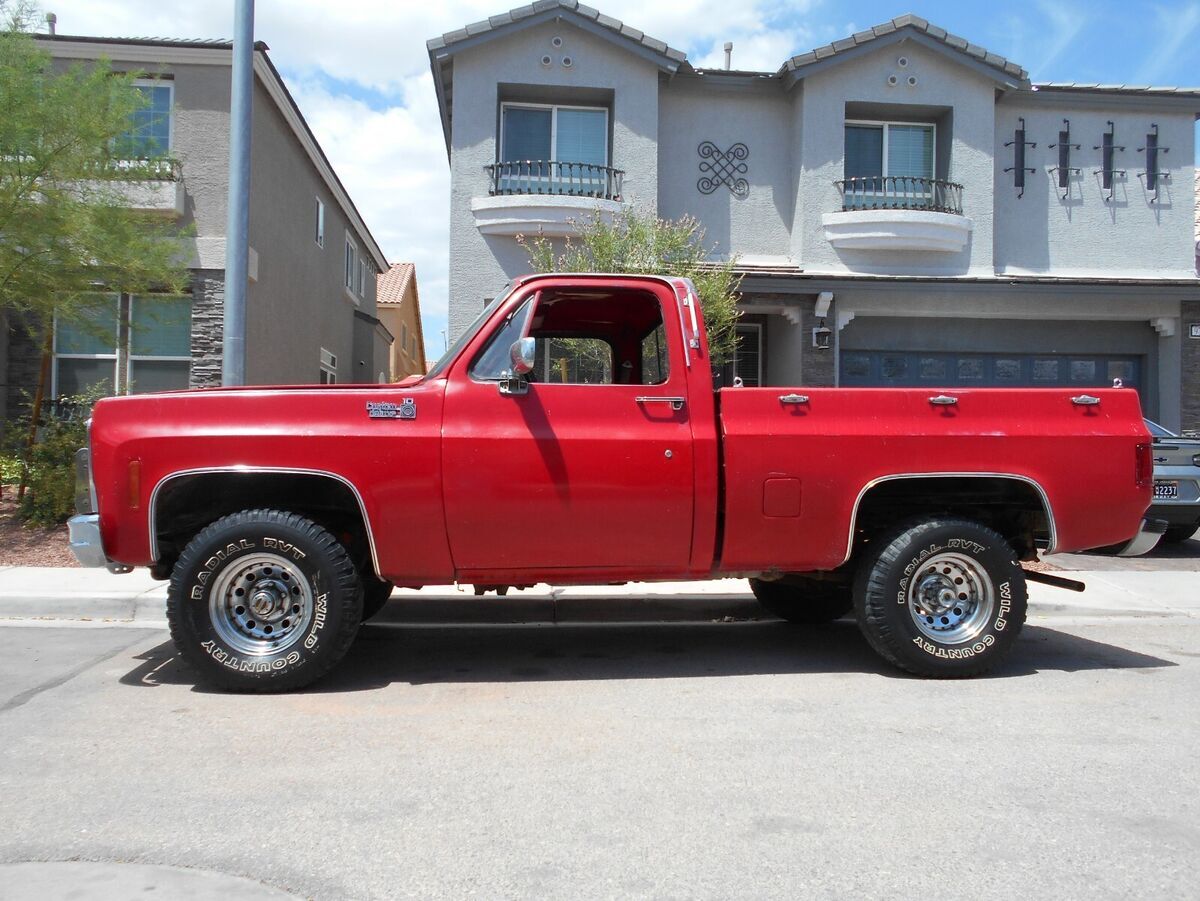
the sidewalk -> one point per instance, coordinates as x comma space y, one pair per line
52, 593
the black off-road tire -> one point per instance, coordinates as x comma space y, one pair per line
939, 561
376, 592
295, 565
1178, 534
803, 601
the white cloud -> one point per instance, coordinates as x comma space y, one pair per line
390, 154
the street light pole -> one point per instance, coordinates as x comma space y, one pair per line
237, 229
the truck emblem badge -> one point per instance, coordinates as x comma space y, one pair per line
406, 409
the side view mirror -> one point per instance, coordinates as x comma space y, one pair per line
522, 355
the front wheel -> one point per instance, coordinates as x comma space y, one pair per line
263, 600
943, 597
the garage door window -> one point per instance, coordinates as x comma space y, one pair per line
933, 369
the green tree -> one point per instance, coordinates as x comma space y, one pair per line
66, 227
639, 242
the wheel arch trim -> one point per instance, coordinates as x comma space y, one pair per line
896, 477
152, 511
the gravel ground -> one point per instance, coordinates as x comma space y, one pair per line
21, 545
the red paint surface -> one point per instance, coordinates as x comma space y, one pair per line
572, 483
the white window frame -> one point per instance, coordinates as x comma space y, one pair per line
131, 357
329, 366
320, 235
554, 108
168, 83
886, 124
758, 331
350, 265
361, 284
116, 356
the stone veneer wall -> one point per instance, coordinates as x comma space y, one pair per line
24, 364
1190, 367
816, 366
208, 327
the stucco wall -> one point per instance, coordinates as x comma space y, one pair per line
298, 305
1083, 234
941, 84
479, 265
694, 110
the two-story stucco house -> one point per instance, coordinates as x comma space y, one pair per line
907, 207
310, 307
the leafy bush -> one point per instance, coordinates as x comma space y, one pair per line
49, 466
639, 242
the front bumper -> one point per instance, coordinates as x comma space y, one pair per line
84, 533
1146, 538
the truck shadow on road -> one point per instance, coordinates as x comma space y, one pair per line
419, 655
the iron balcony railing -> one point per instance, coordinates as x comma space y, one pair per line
554, 177
900, 192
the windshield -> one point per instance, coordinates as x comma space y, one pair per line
464, 339
1158, 431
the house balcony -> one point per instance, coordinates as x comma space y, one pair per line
898, 213
155, 186
548, 197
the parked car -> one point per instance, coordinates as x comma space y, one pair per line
1176, 483
572, 435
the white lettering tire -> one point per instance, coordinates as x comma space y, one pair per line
263, 601
943, 597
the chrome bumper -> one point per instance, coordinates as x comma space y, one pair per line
1146, 538
85, 540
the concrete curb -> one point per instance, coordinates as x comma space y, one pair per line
50, 594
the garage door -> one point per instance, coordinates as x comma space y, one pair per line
891, 368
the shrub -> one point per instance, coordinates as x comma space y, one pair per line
49, 466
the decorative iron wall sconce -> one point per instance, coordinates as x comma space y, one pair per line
723, 167
1109, 149
1152, 173
1018, 168
1064, 169
822, 336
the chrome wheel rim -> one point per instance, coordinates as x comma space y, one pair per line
260, 604
951, 598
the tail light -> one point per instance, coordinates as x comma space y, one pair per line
1144, 467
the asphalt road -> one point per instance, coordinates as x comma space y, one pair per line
739, 760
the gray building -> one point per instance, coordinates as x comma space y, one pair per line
311, 314
907, 207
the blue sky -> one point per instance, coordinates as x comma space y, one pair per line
360, 72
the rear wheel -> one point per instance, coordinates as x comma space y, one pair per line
942, 597
1176, 534
263, 600
803, 601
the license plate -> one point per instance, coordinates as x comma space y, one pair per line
1166, 490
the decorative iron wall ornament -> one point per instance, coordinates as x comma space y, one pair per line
723, 167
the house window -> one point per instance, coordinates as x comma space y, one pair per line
320, 233
160, 343
146, 338
361, 287
413, 347
892, 160
554, 149
747, 363
149, 133
351, 268
328, 375
86, 351
403, 336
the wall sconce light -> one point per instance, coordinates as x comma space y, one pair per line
822, 337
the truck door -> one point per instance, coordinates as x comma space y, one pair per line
592, 465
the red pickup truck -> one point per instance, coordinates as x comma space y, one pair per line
572, 435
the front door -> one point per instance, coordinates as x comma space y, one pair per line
592, 468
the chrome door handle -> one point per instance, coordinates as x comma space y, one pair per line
793, 398
1085, 400
675, 402
943, 400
